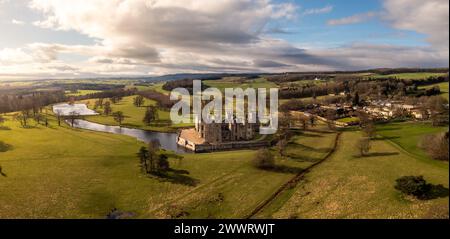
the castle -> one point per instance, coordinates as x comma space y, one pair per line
219, 135
216, 133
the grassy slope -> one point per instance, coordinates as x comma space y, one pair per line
65, 173
408, 135
346, 186
310, 147
411, 76
233, 83
133, 115
83, 92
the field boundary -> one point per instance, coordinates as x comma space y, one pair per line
294, 180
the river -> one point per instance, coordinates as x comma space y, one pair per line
168, 141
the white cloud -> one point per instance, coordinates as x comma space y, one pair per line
160, 36
313, 11
428, 17
358, 18
17, 22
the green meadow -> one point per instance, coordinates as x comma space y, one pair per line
410, 76
59, 172
408, 135
134, 115
232, 82
82, 92
349, 186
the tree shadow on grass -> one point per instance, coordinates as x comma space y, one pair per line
386, 137
436, 191
301, 158
380, 154
389, 128
5, 147
284, 169
305, 134
309, 148
177, 177
5, 128
3, 174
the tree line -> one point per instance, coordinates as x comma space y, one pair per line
33, 101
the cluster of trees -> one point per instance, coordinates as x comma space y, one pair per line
390, 71
151, 161
151, 114
105, 105
116, 94
163, 101
292, 77
115, 99
311, 90
138, 101
24, 116
74, 87
438, 107
376, 87
185, 83
34, 101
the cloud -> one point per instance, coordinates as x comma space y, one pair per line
17, 22
358, 18
427, 17
135, 37
314, 11
365, 56
153, 32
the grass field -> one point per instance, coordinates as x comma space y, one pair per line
59, 172
230, 82
348, 119
347, 186
410, 76
407, 135
156, 87
82, 92
134, 116
442, 86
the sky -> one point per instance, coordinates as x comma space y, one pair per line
41, 39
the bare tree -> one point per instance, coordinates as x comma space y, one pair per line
72, 117
107, 108
304, 122
369, 129
436, 146
38, 117
59, 115
1, 172
23, 117
138, 101
119, 117
2, 119
264, 159
363, 146
150, 115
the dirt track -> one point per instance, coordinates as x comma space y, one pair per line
294, 180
